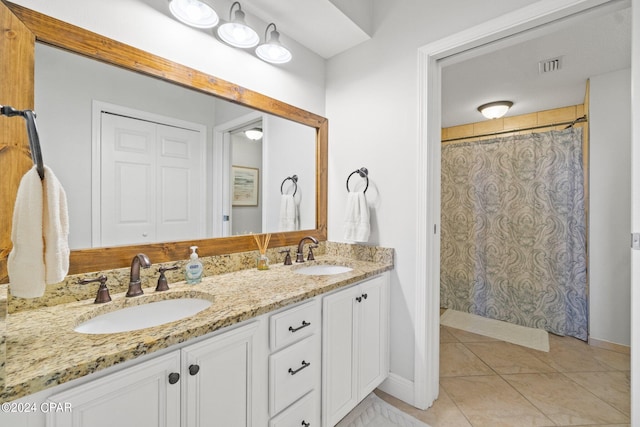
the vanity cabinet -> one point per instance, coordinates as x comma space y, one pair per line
355, 346
191, 387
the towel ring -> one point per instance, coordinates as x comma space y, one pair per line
32, 131
294, 179
364, 173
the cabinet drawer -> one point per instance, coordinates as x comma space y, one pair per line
302, 413
292, 373
294, 324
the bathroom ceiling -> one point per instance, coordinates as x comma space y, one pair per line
587, 46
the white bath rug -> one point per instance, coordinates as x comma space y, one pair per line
375, 412
537, 339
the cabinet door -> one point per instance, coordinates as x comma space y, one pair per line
217, 386
339, 394
372, 335
140, 396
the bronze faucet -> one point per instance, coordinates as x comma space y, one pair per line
300, 254
135, 287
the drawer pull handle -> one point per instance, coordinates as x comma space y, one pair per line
305, 424
174, 377
304, 325
304, 365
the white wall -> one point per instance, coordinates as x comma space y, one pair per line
610, 207
372, 110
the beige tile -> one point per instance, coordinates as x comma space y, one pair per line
613, 359
456, 360
612, 387
464, 336
563, 400
571, 355
491, 401
442, 413
446, 335
507, 358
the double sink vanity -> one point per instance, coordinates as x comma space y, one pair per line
303, 342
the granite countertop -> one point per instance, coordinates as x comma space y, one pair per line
43, 350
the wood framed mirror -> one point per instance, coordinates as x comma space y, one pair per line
22, 28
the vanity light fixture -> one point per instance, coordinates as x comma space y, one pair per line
236, 32
253, 134
495, 110
272, 50
195, 13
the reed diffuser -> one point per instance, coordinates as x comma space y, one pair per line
263, 243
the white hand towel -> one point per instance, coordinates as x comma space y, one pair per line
39, 234
26, 259
356, 220
288, 213
55, 222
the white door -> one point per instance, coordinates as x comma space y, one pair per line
371, 332
339, 393
152, 181
217, 389
140, 396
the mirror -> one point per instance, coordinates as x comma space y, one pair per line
58, 34
177, 155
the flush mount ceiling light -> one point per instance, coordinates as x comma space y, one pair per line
272, 50
253, 134
495, 110
236, 32
194, 13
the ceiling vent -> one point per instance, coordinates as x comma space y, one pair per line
550, 65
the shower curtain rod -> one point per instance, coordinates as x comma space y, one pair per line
570, 124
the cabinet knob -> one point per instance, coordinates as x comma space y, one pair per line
194, 369
305, 424
364, 296
174, 377
359, 299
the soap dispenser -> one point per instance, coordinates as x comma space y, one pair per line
193, 269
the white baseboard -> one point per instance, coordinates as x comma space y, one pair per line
399, 387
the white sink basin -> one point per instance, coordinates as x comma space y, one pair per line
323, 270
143, 316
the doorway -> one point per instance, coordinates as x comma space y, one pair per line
500, 30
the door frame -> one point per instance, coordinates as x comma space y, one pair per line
430, 57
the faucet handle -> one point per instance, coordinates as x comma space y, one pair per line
310, 256
287, 257
103, 292
163, 285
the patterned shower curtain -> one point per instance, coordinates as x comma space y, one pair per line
513, 237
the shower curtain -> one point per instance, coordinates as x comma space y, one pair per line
513, 236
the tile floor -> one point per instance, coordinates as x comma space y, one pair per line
486, 382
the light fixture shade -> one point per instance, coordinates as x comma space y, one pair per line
194, 13
253, 134
495, 110
272, 50
236, 32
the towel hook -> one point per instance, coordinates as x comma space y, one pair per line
294, 179
32, 131
364, 173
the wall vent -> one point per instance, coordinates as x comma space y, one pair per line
550, 65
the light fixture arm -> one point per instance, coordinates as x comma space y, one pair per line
231, 10
266, 30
